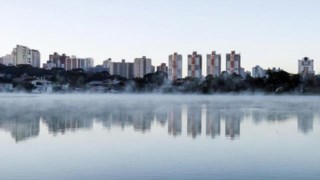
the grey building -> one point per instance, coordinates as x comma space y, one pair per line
122, 68
35, 58
142, 66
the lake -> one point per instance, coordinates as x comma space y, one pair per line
82, 136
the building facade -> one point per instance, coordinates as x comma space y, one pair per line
142, 66
35, 60
57, 61
305, 66
7, 59
233, 63
162, 67
195, 65
25, 55
106, 63
258, 72
214, 64
122, 68
75, 63
175, 67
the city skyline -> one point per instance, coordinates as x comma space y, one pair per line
269, 34
142, 66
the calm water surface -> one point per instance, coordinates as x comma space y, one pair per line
159, 137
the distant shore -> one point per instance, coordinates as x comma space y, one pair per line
28, 79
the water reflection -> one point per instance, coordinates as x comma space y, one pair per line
175, 121
305, 122
233, 119
21, 126
23, 122
194, 120
61, 120
213, 124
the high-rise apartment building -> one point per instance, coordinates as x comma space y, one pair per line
35, 58
214, 64
142, 66
175, 67
25, 55
68, 63
56, 61
122, 68
305, 66
74, 63
195, 65
233, 63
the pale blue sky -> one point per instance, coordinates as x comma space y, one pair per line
268, 33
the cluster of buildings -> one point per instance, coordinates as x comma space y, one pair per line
68, 62
22, 55
142, 66
305, 67
25, 55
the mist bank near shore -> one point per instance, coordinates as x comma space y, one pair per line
94, 100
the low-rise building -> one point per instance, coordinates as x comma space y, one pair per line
42, 86
6, 87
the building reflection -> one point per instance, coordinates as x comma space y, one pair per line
142, 120
213, 118
257, 116
278, 115
194, 121
24, 123
21, 126
61, 120
175, 121
305, 122
161, 117
116, 116
232, 125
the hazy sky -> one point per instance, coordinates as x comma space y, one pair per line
268, 33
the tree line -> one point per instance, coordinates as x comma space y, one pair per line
78, 79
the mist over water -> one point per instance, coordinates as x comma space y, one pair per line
81, 136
